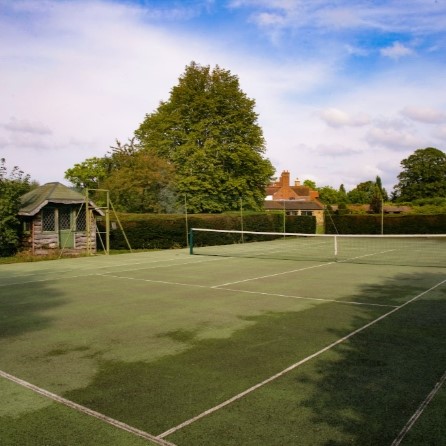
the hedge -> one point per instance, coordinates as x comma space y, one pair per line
162, 231
393, 224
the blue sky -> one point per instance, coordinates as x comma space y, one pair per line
344, 89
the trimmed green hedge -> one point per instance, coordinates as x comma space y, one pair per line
393, 224
160, 231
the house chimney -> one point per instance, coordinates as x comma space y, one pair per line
297, 182
285, 178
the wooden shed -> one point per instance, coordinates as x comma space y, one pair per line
54, 217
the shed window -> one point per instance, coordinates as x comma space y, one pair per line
49, 220
27, 225
64, 218
81, 220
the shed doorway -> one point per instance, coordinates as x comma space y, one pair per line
66, 233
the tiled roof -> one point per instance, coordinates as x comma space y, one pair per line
293, 205
36, 199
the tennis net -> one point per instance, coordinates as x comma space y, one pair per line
416, 250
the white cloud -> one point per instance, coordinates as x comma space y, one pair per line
417, 16
338, 118
78, 74
424, 114
396, 51
393, 139
24, 126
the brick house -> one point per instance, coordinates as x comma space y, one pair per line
293, 199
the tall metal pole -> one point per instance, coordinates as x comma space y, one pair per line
107, 225
241, 218
187, 223
382, 215
284, 218
87, 221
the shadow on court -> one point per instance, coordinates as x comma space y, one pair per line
22, 308
361, 392
382, 375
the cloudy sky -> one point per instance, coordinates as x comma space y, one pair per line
344, 89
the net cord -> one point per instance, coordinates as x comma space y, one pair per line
335, 236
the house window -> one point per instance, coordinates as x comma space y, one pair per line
48, 220
307, 213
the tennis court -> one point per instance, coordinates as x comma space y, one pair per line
170, 348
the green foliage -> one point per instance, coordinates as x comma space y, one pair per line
138, 184
88, 174
393, 224
376, 202
311, 184
369, 192
423, 175
12, 186
148, 231
342, 194
362, 193
208, 130
435, 205
138, 181
329, 195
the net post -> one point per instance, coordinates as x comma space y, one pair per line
191, 241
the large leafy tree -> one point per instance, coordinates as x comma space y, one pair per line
12, 186
137, 181
423, 175
89, 173
140, 183
369, 192
329, 195
208, 130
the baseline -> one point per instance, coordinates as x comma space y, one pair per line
85, 410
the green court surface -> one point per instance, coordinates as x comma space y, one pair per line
169, 348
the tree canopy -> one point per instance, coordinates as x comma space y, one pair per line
208, 131
12, 186
423, 175
88, 174
138, 182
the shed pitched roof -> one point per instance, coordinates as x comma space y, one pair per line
36, 199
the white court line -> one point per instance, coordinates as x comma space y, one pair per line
310, 298
66, 277
153, 280
294, 366
88, 266
365, 255
419, 411
245, 291
274, 275
86, 410
48, 279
